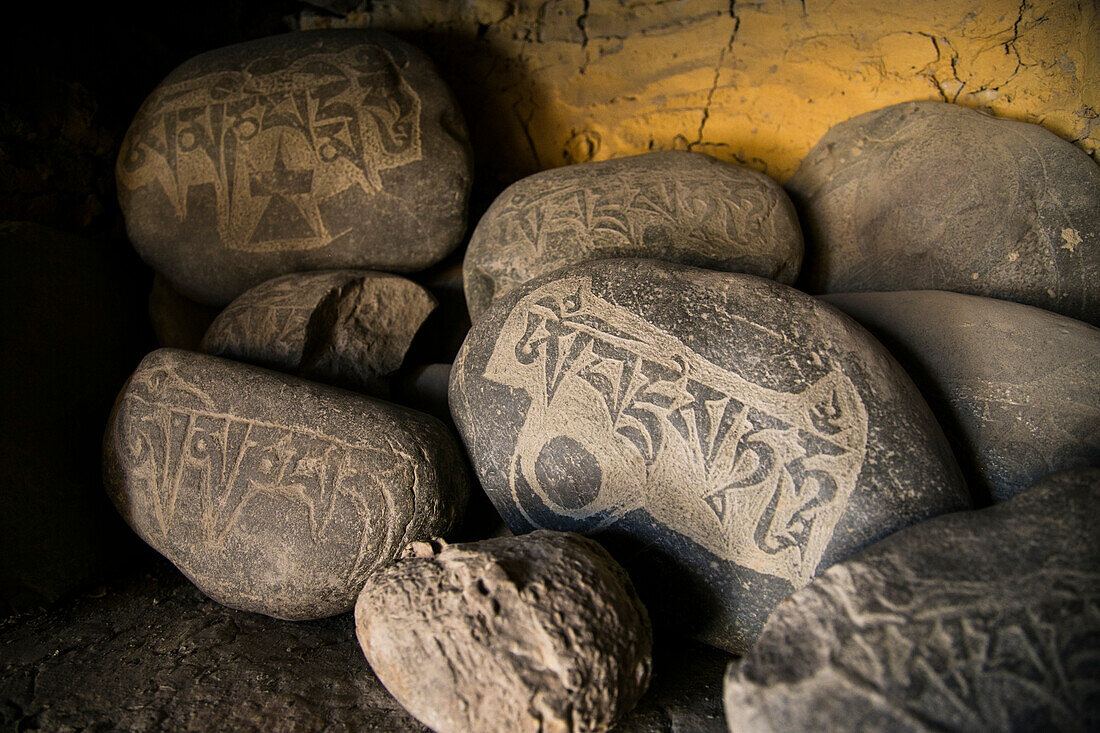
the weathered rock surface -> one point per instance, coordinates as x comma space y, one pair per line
676, 206
532, 633
1016, 388
730, 436
273, 494
991, 207
350, 328
73, 329
977, 621
178, 321
326, 149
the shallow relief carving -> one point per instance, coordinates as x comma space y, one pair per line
624, 416
276, 140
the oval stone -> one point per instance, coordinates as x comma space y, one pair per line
350, 328
318, 149
1016, 388
675, 205
743, 436
542, 632
271, 493
928, 195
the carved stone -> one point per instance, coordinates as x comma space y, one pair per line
542, 632
1016, 388
332, 149
729, 436
350, 328
273, 494
976, 621
178, 321
928, 195
675, 205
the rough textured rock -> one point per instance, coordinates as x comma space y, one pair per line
977, 621
676, 206
273, 494
326, 149
350, 328
532, 633
178, 321
1016, 388
729, 436
991, 207
73, 329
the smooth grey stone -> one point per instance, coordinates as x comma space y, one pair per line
675, 205
727, 436
542, 632
178, 321
929, 195
311, 150
350, 328
1016, 388
984, 620
271, 493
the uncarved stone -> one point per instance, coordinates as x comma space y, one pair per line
321, 149
929, 195
350, 328
1016, 388
273, 494
535, 633
675, 205
729, 437
976, 621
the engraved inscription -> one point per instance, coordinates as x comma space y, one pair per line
276, 141
757, 476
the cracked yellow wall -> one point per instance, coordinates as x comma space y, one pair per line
561, 81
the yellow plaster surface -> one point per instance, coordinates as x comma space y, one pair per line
546, 83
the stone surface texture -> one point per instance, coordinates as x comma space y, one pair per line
328, 149
676, 206
273, 494
727, 436
1016, 388
542, 632
991, 207
550, 82
976, 621
350, 328
178, 321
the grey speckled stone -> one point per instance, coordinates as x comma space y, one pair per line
1016, 388
274, 494
350, 328
311, 150
929, 195
675, 205
978, 621
542, 632
729, 437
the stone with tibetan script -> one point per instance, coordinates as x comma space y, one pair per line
976, 621
727, 436
542, 632
928, 195
320, 149
1016, 388
271, 493
350, 328
673, 205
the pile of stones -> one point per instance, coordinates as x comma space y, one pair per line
865, 462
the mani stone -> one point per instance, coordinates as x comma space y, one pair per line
929, 195
311, 150
727, 436
350, 328
983, 620
271, 493
1016, 388
542, 632
676, 205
